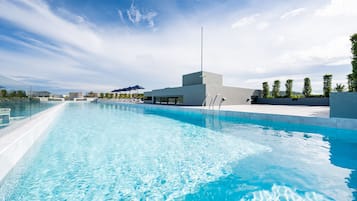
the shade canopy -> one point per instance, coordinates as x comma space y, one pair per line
130, 88
138, 87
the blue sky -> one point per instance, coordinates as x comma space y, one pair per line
95, 45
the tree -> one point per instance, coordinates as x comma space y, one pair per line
276, 89
101, 95
289, 88
108, 95
21, 94
307, 87
3, 93
265, 90
327, 84
354, 61
91, 94
340, 87
349, 82
12, 94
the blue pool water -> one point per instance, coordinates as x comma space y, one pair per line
128, 152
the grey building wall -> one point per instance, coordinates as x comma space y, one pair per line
148, 94
73, 95
233, 95
192, 95
343, 105
202, 78
291, 101
40, 93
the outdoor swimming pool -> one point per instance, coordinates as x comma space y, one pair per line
127, 152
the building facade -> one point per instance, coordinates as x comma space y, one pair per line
73, 95
40, 94
201, 88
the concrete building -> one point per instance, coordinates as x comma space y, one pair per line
40, 94
92, 94
73, 95
201, 88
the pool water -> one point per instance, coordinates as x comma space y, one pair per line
127, 152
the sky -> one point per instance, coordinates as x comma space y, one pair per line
90, 45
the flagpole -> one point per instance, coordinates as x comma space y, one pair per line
202, 49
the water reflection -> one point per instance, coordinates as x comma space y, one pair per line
343, 153
25, 109
306, 160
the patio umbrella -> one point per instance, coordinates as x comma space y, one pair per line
117, 90
137, 87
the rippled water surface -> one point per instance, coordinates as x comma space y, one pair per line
127, 152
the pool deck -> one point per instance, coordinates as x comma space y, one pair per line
302, 111
307, 115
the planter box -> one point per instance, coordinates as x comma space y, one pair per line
343, 105
292, 101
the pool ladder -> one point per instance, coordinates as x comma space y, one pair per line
212, 101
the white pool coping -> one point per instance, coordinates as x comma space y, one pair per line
304, 115
291, 110
19, 136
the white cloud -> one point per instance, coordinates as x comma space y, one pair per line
135, 16
121, 16
36, 17
149, 17
103, 58
263, 25
333, 51
292, 13
245, 21
339, 8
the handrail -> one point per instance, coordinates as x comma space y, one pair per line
220, 103
214, 100
204, 103
210, 103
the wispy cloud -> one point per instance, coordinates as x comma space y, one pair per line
36, 17
136, 16
80, 55
292, 13
245, 21
121, 16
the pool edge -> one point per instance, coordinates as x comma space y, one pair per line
338, 123
16, 140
